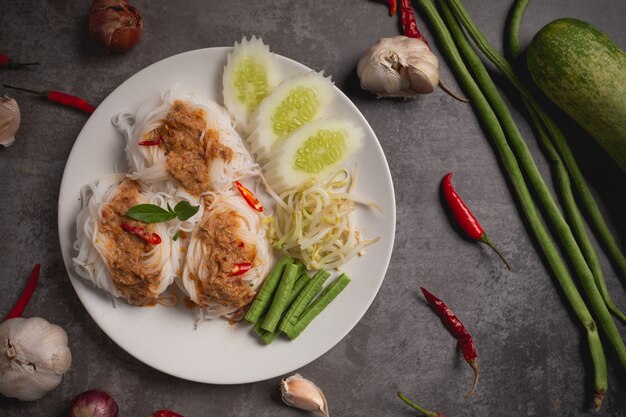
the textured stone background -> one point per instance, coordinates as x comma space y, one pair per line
534, 361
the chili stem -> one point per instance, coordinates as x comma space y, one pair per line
22, 302
561, 175
422, 410
484, 239
520, 148
556, 135
513, 172
28, 90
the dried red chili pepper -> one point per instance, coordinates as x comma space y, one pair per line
6, 62
165, 413
240, 269
422, 410
151, 238
249, 197
460, 333
21, 303
409, 24
63, 99
393, 6
465, 218
152, 142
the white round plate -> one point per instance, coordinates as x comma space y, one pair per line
219, 352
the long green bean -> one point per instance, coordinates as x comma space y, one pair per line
561, 227
556, 134
512, 169
264, 297
563, 184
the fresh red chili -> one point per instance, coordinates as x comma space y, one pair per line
393, 6
6, 62
249, 197
63, 99
240, 269
465, 218
458, 330
409, 24
21, 303
165, 413
422, 410
152, 142
151, 238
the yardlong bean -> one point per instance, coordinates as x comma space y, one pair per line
512, 169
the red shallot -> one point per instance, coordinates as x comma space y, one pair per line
115, 25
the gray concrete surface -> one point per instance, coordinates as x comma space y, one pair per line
534, 360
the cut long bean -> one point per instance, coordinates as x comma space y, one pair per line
592, 210
280, 297
563, 183
312, 311
511, 167
263, 298
268, 337
302, 301
518, 145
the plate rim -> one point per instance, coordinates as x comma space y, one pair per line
366, 305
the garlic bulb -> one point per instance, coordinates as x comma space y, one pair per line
33, 357
301, 393
398, 67
9, 120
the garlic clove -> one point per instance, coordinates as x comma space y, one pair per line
299, 392
9, 120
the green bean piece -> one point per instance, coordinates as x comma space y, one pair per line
563, 184
268, 337
312, 311
557, 136
304, 298
561, 227
262, 300
527, 205
280, 298
297, 288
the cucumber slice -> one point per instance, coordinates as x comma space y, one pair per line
293, 103
250, 75
314, 151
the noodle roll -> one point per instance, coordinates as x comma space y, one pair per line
110, 252
184, 142
228, 240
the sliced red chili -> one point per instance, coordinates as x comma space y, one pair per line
151, 238
240, 269
249, 197
165, 413
152, 142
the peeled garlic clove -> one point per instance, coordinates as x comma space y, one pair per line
299, 392
398, 67
9, 120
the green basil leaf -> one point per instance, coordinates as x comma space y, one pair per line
149, 213
176, 236
184, 210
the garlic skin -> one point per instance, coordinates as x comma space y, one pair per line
398, 67
9, 120
299, 392
34, 355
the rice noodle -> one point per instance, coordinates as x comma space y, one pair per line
313, 222
148, 163
251, 232
94, 247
